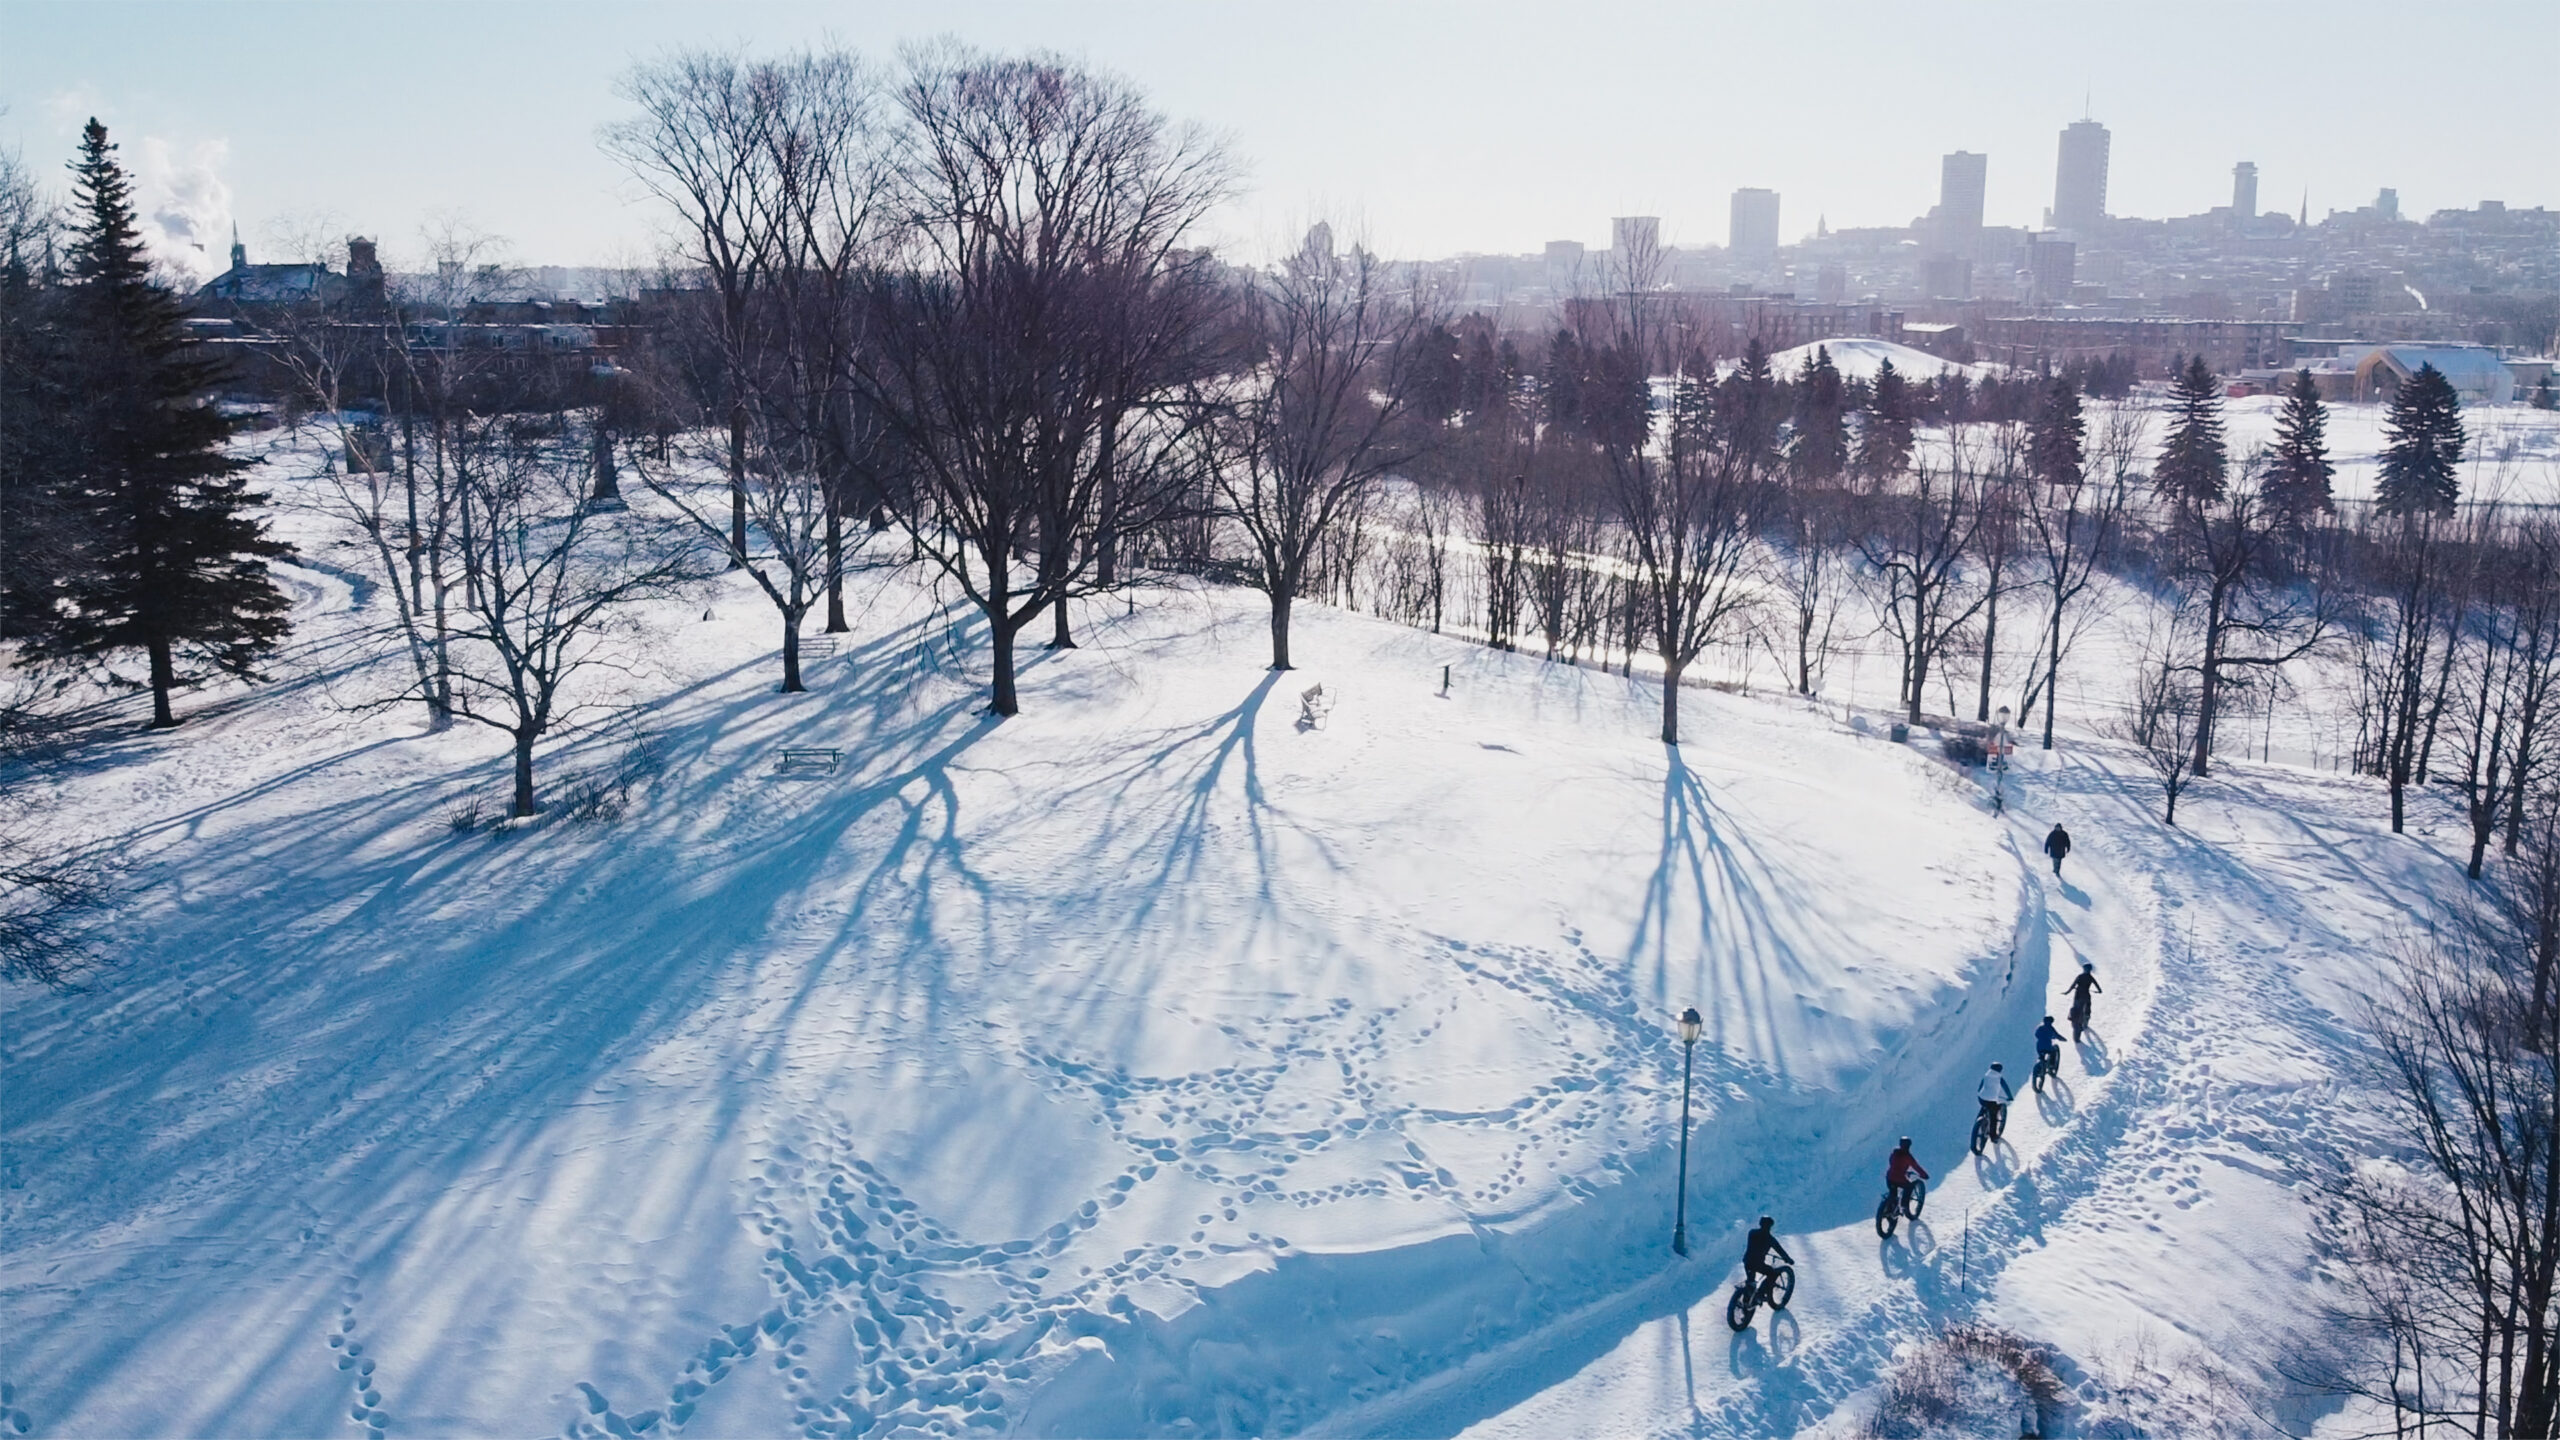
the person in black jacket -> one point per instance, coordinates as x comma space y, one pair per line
2082, 986
2057, 845
1757, 1249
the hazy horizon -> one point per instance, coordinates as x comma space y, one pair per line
1431, 129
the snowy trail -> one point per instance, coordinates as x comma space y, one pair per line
1667, 1353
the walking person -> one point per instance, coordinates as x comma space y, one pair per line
2057, 845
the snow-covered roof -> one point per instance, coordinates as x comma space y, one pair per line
1859, 357
2475, 371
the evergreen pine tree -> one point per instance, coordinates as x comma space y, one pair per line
1884, 445
1821, 445
1748, 409
38, 540
2298, 471
1566, 368
2422, 444
2194, 463
2055, 435
175, 561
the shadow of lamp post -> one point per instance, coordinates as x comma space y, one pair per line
1689, 1023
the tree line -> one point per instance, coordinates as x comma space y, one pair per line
958, 313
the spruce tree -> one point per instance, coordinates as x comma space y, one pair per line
2298, 472
2194, 463
175, 559
2422, 445
38, 540
2055, 435
1821, 445
1748, 409
1884, 445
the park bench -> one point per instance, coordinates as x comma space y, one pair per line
1313, 706
808, 759
817, 647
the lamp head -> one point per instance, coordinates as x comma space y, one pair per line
1690, 1024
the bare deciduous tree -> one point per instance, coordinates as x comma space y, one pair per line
548, 580
2251, 611
1326, 411
1042, 205
1915, 541
2073, 529
2452, 1241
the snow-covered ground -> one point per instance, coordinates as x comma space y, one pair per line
1151, 1062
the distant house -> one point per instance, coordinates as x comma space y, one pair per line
2479, 374
247, 287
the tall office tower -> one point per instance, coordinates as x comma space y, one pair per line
1960, 201
2244, 192
2080, 178
1754, 235
2387, 204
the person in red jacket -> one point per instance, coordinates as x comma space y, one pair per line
1901, 1171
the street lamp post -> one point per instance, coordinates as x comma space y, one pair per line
1689, 1024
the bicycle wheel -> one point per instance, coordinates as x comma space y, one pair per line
1888, 1215
1737, 1311
1917, 1198
1981, 1133
1781, 1287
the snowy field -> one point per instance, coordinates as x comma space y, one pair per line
1152, 1062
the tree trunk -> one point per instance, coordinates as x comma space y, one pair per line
1990, 645
1671, 669
1106, 530
2053, 674
835, 565
1281, 599
791, 652
1000, 636
524, 774
737, 486
2208, 688
1919, 681
164, 677
1060, 638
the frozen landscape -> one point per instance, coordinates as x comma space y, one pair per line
1154, 1061
1069, 721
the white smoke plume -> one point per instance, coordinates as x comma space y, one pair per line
183, 206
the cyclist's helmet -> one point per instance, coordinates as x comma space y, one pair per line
1766, 1222
2048, 1019
1906, 1142
1995, 1064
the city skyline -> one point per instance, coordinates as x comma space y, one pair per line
1419, 160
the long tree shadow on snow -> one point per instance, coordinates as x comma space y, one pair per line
422, 1044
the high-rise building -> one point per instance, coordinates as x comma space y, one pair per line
2244, 192
1960, 178
2051, 261
1754, 235
2387, 204
2080, 177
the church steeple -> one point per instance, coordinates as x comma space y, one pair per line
239, 252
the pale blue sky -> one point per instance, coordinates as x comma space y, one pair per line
1436, 127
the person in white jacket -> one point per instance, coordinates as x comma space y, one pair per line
1994, 1093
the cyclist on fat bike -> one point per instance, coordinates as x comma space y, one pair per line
1901, 1170
2048, 1039
1995, 1094
1756, 1250
2082, 986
